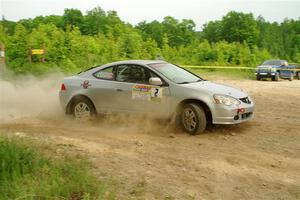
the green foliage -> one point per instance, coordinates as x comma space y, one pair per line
26, 173
239, 27
94, 22
178, 33
75, 41
280, 40
17, 45
72, 17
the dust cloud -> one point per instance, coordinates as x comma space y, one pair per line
34, 101
27, 96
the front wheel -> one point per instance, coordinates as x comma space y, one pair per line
83, 108
193, 119
276, 77
298, 75
291, 77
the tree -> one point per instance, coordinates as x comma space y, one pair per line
75, 41
17, 48
153, 30
3, 36
72, 17
212, 31
94, 22
8, 26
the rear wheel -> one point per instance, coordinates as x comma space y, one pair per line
83, 108
193, 119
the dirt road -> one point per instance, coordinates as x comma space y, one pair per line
259, 159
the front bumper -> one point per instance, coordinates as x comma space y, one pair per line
233, 114
265, 74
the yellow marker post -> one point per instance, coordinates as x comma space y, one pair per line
37, 51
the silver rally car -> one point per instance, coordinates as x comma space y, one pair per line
156, 89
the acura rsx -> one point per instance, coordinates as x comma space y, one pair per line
157, 89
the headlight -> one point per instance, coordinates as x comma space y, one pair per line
226, 100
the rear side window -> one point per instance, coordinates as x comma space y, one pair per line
107, 73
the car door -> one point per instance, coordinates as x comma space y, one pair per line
112, 91
104, 90
138, 95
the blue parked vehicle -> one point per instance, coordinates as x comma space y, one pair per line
296, 69
275, 69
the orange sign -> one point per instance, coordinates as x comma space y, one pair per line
37, 51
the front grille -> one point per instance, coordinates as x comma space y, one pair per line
245, 100
263, 70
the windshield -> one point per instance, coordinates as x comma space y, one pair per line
175, 73
274, 62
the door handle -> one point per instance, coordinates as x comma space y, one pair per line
119, 90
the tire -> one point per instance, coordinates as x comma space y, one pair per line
83, 108
193, 119
276, 77
258, 78
298, 75
291, 77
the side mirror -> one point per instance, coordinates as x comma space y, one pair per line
155, 81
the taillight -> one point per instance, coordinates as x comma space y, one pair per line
63, 87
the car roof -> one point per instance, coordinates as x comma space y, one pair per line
132, 62
137, 62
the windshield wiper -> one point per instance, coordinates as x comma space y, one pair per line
186, 82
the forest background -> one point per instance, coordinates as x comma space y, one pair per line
76, 41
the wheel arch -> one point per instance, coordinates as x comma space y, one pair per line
71, 102
205, 107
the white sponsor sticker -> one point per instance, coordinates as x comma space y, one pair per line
147, 93
141, 92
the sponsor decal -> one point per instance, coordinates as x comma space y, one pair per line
86, 84
147, 93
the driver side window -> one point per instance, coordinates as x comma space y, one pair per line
133, 74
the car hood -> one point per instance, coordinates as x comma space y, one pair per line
216, 88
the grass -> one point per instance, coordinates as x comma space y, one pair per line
28, 172
215, 73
